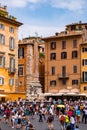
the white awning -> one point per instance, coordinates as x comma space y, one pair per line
3, 95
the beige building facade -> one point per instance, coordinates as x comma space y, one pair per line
63, 60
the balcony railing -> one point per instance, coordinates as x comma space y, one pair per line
63, 76
11, 70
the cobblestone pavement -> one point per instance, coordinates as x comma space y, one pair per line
40, 125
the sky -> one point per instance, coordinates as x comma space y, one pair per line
46, 17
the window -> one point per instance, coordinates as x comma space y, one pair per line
11, 81
73, 27
63, 44
20, 71
74, 54
85, 88
53, 56
86, 27
12, 64
75, 82
84, 49
84, 62
53, 45
11, 43
74, 43
63, 81
75, 69
53, 70
53, 83
2, 61
84, 76
2, 39
80, 27
21, 52
2, 26
11, 29
63, 71
63, 55
1, 80
20, 83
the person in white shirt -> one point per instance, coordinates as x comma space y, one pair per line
72, 122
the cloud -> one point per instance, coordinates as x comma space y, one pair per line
43, 31
21, 3
72, 5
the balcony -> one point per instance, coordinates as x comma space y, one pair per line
11, 70
63, 76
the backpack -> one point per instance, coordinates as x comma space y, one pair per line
50, 118
62, 119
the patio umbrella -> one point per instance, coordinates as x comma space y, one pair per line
60, 106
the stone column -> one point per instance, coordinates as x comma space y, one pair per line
29, 65
36, 73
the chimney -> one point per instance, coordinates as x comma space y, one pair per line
56, 33
5, 7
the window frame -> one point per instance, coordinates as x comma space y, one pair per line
52, 56
2, 39
11, 43
63, 44
20, 73
63, 55
1, 80
74, 82
53, 70
84, 62
53, 83
75, 43
53, 45
2, 27
11, 81
85, 88
11, 29
75, 69
21, 52
74, 54
2, 63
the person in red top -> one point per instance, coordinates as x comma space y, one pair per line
69, 113
7, 111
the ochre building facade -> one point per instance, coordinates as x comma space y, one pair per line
65, 61
8, 56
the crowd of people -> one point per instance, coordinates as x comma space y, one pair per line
70, 113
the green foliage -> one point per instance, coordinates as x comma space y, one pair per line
41, 55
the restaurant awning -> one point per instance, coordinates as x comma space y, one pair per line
3, 95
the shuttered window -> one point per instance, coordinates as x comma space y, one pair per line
2, 61
2, 27
11, 81
11, 29
11, 43
21, 52
1, 80
2, 39
12, 63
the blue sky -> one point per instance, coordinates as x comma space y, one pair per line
46, 16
